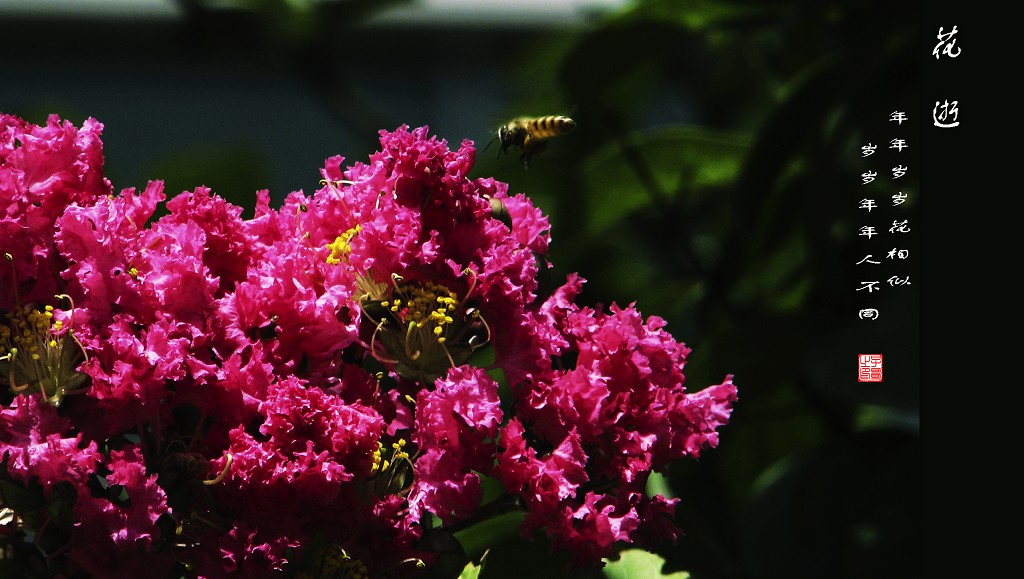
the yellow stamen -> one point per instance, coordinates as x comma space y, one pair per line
37, 354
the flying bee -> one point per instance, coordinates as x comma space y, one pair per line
531, 134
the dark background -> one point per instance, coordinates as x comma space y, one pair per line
713, 178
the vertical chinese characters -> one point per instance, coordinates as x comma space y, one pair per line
884, 268
945, 113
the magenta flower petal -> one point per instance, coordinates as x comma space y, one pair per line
252, 396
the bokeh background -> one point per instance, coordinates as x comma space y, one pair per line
713, 178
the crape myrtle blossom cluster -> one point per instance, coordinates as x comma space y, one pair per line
317, 389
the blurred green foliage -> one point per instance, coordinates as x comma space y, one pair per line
714, 178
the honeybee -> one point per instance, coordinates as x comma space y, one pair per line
531, 134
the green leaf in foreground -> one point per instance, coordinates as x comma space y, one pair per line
637, 564
472, 570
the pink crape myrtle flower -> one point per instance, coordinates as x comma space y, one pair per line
118, 539
323, 388
621, 413
43, 169
410, 226
456, 424
37, 445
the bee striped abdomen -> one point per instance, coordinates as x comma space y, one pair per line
529, 133
551, 126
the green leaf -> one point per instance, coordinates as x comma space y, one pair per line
492, 488
482, 357
878, 417
636, 563
687, 165
472, 570
478, 538
657, 484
